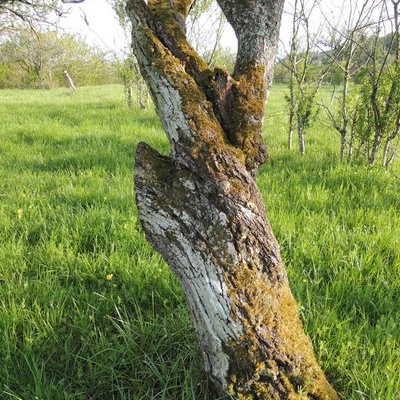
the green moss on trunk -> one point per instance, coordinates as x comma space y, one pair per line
205, 195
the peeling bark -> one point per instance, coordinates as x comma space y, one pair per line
201, 208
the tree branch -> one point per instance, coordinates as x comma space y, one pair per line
188, 117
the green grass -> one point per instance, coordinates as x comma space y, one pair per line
71, 330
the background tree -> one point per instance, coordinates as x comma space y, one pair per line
127, 73
380, 96
14, 13
344, 46
128, 69
305, 76
368, 119
205, 27
200, 206
38, 59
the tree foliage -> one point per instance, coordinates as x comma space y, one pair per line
38, 59
359, 55
369, 57
304, 76
376, 114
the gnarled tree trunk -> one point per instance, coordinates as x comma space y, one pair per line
201, 208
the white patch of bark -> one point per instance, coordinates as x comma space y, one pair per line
203, 283
172, 118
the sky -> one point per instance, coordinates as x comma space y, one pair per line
103, 29
96, 22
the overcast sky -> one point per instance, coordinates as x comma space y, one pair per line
96, 22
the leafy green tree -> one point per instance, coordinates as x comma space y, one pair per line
369, 119
128, 69
127, 72
377, 125
281, 74
221, 56
39, 59
304, 77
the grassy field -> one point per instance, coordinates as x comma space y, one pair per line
89, 311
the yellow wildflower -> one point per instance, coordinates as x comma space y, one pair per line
109, 277
20, 213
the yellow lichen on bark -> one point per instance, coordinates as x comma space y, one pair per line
214, 123
171, 30
183, 6
173, 58
180, 6
248, 109
273, 356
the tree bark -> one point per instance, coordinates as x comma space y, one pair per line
201, 209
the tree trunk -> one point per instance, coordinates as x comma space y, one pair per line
201, 208
388, 153
293, 72
301, 138
128, 95
292, 108
345, 111
142, 94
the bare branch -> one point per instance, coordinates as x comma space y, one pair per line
32, 12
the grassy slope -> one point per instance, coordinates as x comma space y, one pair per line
70, 330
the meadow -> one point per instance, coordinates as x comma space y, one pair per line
89, 311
